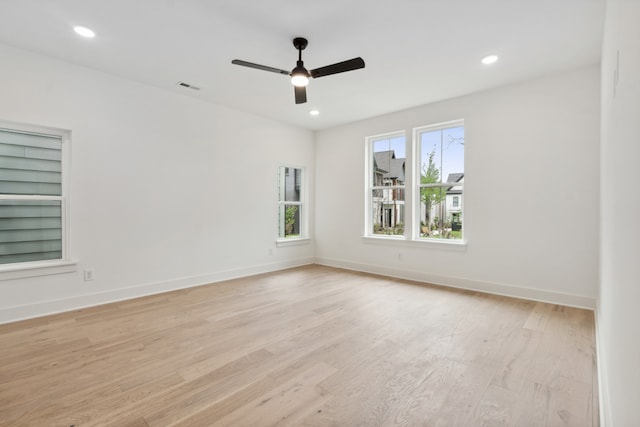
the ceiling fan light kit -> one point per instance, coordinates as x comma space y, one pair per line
300, 75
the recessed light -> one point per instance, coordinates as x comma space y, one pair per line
84, 31
490, 59
314, 112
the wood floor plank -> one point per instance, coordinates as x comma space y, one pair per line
495, 409
285, 404
309, 346
197, 395
533, 408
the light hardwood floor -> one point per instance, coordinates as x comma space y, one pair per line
311, 346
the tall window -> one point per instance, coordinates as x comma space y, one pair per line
32, 195
291, 204
440, 181
386, 202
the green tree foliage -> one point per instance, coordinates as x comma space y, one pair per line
289, 219
430, 196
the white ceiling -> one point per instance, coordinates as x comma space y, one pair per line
416, 51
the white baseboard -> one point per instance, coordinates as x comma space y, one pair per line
603, 383
23, 312
570, 300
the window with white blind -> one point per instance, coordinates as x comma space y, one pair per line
32, 194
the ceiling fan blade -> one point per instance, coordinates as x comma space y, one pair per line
340, 67
259, 67
301, 94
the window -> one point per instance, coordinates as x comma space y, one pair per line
292, 215
440, 155
415, 191
386, 203
32, 195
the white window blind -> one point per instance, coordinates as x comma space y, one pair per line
31, 197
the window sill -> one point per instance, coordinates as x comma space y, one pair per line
447, 245
292, 242
40, 268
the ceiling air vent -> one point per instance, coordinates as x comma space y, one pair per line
187, 85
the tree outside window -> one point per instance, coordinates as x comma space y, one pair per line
441, 181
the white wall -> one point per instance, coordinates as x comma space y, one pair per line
618, 315
166, 191
531, 192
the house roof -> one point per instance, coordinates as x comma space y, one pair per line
377, 168
387, 162
455, 177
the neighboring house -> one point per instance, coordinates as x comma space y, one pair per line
388, 204
450, 210
453, 202
292, 184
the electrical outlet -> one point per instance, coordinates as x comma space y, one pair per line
270, 251
89, 274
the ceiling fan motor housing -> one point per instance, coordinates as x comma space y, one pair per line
300, 43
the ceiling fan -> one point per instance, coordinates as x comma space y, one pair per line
300, 75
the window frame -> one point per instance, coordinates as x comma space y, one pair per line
370, 186
66, 263
303, 237
416, 150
